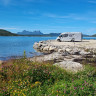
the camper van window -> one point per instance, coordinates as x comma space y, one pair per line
60, 36
65, 35
70, 35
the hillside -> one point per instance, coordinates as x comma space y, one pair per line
6, 33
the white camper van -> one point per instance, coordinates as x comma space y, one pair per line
70, 36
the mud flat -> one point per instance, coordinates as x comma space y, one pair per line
67, 55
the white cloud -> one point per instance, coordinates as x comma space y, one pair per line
7, 28
55, 16
94, 2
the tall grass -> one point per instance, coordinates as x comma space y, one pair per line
22, 77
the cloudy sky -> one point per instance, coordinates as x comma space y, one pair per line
48, 15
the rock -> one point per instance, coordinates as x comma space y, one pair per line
52, 48
76, 52
82, 52
35, 45
46, 48
68, 50
40, 41
70, 65
48, 57
61, 50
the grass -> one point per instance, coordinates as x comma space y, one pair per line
22, 77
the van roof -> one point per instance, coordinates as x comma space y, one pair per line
70, 32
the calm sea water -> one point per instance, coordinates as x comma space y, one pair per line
11, 47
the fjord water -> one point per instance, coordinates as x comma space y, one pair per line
12, 46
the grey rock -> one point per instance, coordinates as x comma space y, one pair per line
70, 65
46, 48
52, 48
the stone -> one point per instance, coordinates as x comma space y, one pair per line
40, 41
60, 50
35, 45
68, 50
70, 65
46, 48
52, 48
82, 52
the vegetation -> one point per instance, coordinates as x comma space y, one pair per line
22, 77
6, 33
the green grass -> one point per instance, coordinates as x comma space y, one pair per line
22, 77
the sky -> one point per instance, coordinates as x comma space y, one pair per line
48, 16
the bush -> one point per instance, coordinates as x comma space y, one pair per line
22, 77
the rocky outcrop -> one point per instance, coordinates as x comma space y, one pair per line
66, 56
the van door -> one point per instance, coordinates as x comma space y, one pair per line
65, 37
71, 37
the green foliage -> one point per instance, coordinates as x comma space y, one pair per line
24, 54
22, 77
6, 33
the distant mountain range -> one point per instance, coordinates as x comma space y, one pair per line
40, 33
30, 33
37, 33
34, 33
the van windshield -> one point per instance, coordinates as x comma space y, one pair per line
65, 35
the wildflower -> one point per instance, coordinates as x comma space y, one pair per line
75, 88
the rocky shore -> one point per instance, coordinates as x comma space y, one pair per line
65, 54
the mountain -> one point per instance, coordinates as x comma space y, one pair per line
6, 33
24, 32
37, 33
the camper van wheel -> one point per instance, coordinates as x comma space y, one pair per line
58, 40
72, 40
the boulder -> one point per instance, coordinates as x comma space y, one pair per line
40, 41
35, 45
60, 50
70, 65
68, 50
82, 52
76, 51
46, 48
51, 48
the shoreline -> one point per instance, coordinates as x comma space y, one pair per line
67, 55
